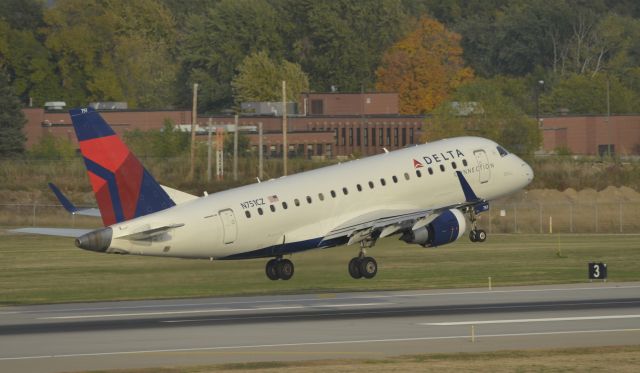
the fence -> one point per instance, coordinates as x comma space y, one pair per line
501, 218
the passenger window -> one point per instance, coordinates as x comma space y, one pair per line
272, 208
418, 173
394, 178
284, 205
308, 199
383, 182
247, 213
442, 167
296, 202
406, 176
371, 184
359, 187
259, 210
321, 196
430, 171
464, 162
345, 191
333, 193
454, 165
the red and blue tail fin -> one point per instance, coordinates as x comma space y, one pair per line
124, 189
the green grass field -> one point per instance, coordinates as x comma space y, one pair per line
36, 269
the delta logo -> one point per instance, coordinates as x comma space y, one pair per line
417, 164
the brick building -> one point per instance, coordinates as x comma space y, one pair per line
592, 135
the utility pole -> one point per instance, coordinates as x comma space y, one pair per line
209, 150
260, 151
194, 118
235, 149
608, 118
285, 147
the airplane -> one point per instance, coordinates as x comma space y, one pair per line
421, 194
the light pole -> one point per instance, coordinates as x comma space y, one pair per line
539, 88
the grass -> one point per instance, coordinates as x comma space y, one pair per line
596, 359
36, 269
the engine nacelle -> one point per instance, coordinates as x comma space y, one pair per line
446, 228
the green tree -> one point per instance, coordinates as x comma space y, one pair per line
167, 142
12, 121
260, 78
478, 108
52, 147
117, 50
217, 41
585, 94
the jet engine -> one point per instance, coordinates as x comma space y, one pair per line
446, 228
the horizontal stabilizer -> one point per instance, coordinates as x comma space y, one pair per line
150, 233
70, 206
60, 232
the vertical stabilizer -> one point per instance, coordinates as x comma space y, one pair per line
123, 188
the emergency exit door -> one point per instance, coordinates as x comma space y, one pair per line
484, 171
229, 226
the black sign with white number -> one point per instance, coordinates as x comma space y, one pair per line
597, 271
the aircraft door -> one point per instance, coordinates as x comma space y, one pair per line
229, 226
484, 170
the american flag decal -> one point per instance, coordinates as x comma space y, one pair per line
272, 199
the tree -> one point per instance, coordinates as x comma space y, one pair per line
479, 108
117, 50
260, 78
424, 67
12, 121
217, 41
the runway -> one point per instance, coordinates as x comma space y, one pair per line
68, 337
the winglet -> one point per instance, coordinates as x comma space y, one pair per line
63, 199
469, 195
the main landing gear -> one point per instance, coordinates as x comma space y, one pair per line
279, 269
475, 235
363, 266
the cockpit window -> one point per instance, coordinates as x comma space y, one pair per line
503, 152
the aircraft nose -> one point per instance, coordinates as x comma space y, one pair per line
527, 172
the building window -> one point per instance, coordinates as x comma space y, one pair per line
395, 137
344, 136
358, 136
336, 135
388, 142
373, 136
317, 107
411, 136
404, 136
366, 137
381, 136
350, 136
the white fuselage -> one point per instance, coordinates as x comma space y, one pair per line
252, 221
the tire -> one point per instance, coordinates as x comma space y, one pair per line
473, 235
482, 236
368, 267
271, 270
354, 268
285, 269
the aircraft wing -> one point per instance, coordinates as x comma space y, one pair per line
60, 232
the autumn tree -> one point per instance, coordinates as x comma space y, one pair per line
260, 78
480, 108
424, 67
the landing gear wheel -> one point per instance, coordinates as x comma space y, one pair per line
368, 267
473, 235
354, 268
481, 235
271, 270
284, 269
